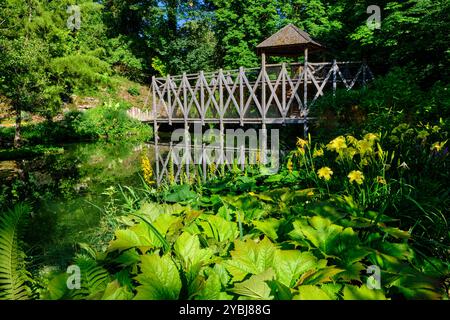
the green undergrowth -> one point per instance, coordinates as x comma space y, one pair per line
321, 228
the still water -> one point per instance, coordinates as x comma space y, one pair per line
73, 188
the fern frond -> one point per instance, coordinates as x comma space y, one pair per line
13, 274
94, 278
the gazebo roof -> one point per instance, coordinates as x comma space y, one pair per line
289, 41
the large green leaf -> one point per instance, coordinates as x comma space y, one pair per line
415, 285
159, 280
153, 210
310, 292
362, 293
114, 291
269, 227
256, 287
290, 264
329, 238
56, 287
212, 289
322, 275
141, 236
187, 247
180, 193
250, 257
218, 228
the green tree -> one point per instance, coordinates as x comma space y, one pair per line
240, 26
25, 77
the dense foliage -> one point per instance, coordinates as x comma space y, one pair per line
308, 232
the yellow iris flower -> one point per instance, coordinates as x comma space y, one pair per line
352, 140
356, 176
318, 153
371, 137
381, 180
301, 143
325, 173
338, 144
290, 166
437, 146
364, 147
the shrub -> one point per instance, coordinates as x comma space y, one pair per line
111, 122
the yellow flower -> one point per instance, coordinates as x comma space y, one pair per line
356, 176
325, 173
350, 152
352, 140
318, 153
258, 157
290, 166
212, 169
337, 144
371, 137
437, 146
381, 180
147, 170
300, 151
364, 147
301, 143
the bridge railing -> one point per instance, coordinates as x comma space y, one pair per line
276, 93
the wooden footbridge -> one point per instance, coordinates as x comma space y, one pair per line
270, 94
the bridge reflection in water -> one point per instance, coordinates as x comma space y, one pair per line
186, 161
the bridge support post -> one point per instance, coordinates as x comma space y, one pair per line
305, 97
155, 129
263, 109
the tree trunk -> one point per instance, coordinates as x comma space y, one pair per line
17, 135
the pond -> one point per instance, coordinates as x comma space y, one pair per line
72, 189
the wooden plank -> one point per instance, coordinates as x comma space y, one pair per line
356, 77
334, 77
273, 92
322, 86
231, 92
294, 89
252, 91
283, 90
202, 98
241, 96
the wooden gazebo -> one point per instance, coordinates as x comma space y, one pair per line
288, 42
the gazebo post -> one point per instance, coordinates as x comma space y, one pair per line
263, 106
290, 41
305, 96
